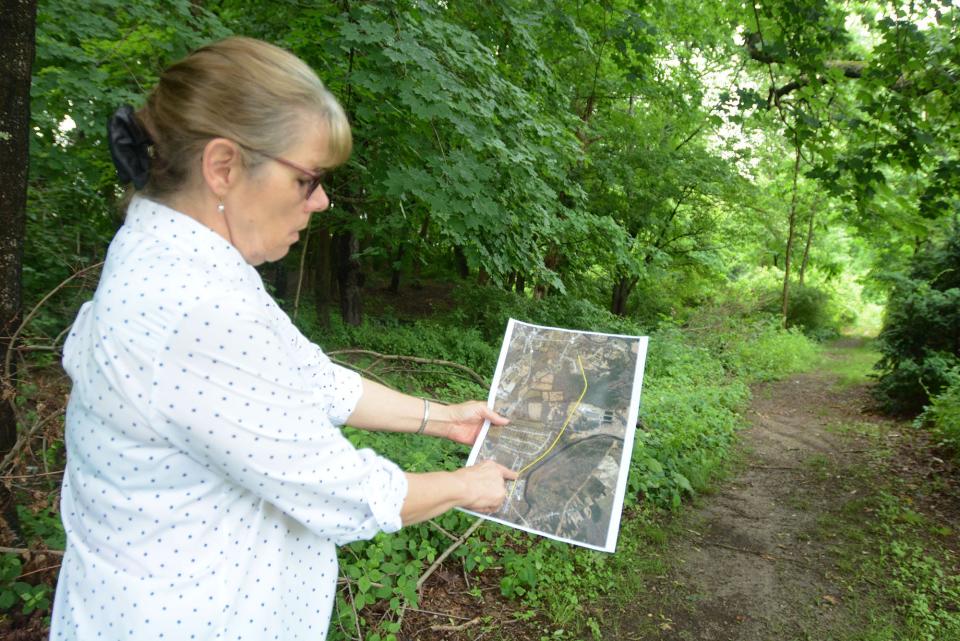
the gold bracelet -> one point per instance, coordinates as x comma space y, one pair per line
426, 416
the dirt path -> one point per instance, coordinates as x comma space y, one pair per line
750, 562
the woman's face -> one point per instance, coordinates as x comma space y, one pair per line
269, 208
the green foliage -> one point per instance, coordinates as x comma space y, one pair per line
692, 397
813, 311
920, 340
923, 585
43, 525
91, 57
574, 147
765, 352
487, 309
14, 593
943, 413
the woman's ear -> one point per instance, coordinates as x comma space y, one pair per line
221, 164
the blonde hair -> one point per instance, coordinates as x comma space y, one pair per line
249, 91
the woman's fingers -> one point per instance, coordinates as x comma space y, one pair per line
488, 483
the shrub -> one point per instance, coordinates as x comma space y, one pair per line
764, 352
812, 310
487, 310
920, 340
943, 413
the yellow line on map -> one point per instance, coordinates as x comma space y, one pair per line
559, 434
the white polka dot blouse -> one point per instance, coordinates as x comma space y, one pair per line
207, 483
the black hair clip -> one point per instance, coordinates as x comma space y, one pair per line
129, 147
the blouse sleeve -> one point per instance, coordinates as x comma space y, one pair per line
342, 387
228, 392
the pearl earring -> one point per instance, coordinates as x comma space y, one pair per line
220, 207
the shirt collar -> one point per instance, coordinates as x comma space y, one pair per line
189, 236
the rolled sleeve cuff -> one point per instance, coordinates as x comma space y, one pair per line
385, 489
349, 388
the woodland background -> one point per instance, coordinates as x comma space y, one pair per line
738, 180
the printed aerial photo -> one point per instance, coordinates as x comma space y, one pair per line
568, 397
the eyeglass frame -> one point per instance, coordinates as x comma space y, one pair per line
315, 178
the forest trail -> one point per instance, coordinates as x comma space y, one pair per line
755, 559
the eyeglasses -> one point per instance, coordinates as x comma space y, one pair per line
315, 178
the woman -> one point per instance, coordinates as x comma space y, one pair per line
207, 483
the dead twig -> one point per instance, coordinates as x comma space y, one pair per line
30, 476
49, 567
436, 525
360, 370
436, 614
763, 555
26, 551
455, 628
25, 437
356, 617
33, 312
303, 260
773, 467
453, 546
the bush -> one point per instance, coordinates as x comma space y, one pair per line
943, 413
920, 340
487, 309
812, 310
694, 390
688, 416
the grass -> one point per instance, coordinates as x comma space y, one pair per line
896, 570
855, 365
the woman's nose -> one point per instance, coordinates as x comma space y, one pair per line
318, 200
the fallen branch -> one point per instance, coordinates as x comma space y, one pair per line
360, 370
436, 614
356, 617
413, 359
436, 525
30, 476
456, 628
38, 570
26, 551
453, 546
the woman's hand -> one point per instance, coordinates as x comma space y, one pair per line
486, 487
462, 422
481, 488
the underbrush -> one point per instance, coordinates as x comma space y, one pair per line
921, 580
942, 416
694, 391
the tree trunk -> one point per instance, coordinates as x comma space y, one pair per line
18, 20
323, 276
521, 284
463, 268
349, 278
785, 298
424, 237
621, 293
395, 271
551, 262
806, 247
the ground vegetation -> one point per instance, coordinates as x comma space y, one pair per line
739, 181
